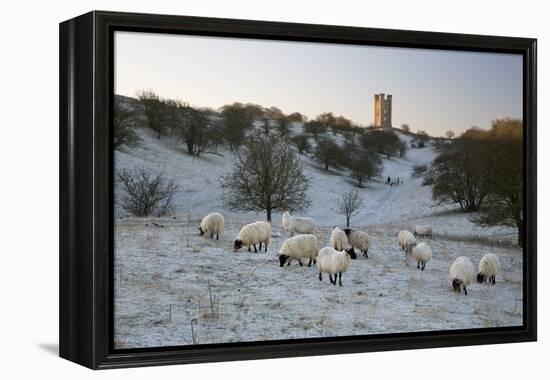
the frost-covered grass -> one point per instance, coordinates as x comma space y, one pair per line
166, 274
162, 284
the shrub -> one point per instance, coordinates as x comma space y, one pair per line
145, 194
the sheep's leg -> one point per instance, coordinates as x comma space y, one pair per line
330, 278
217, 236
320, 276
366, 254
255, 250
248, 248
465, 291
423, 265
265, 247
418, 265
300, 262
212, 236
493, 280
260, 246
310, 261
335, 278
340, 279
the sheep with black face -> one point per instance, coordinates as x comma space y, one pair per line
358, 239
462, 274
299, 247
212, 224
334, 262
489, 266
252, 234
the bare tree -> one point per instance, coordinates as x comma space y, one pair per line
172, 114
315, 127
236, 121
327, 152
504, 202
363, 164
302, 143
124, 127
196, 130
421, 137
406, 128
460, 176
382, 141
349, 204
449, 134
297, 116
146, 194
283, 127
266, 176
266, 125
153, 108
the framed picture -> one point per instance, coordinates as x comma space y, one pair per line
235, 189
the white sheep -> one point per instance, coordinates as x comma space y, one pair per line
462, 274
423, 231
334, 262
338, 239
358, 239
422, 253
211, 224
296, 224
252, 234
489, 266
299, 247
406, 239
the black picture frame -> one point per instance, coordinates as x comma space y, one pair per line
86, 188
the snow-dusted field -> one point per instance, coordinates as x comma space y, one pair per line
162, 285
166, 274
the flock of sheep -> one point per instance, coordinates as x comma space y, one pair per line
336, 258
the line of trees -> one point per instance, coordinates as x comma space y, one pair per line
267, 173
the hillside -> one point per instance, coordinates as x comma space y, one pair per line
200, 191
174, 287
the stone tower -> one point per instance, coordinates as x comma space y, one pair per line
382, 111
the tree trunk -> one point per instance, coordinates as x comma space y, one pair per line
189, 148
347, 221
268, 210
326, 166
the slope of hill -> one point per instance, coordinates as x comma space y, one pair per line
174, 287
200, 191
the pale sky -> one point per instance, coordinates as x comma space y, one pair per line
433, 90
